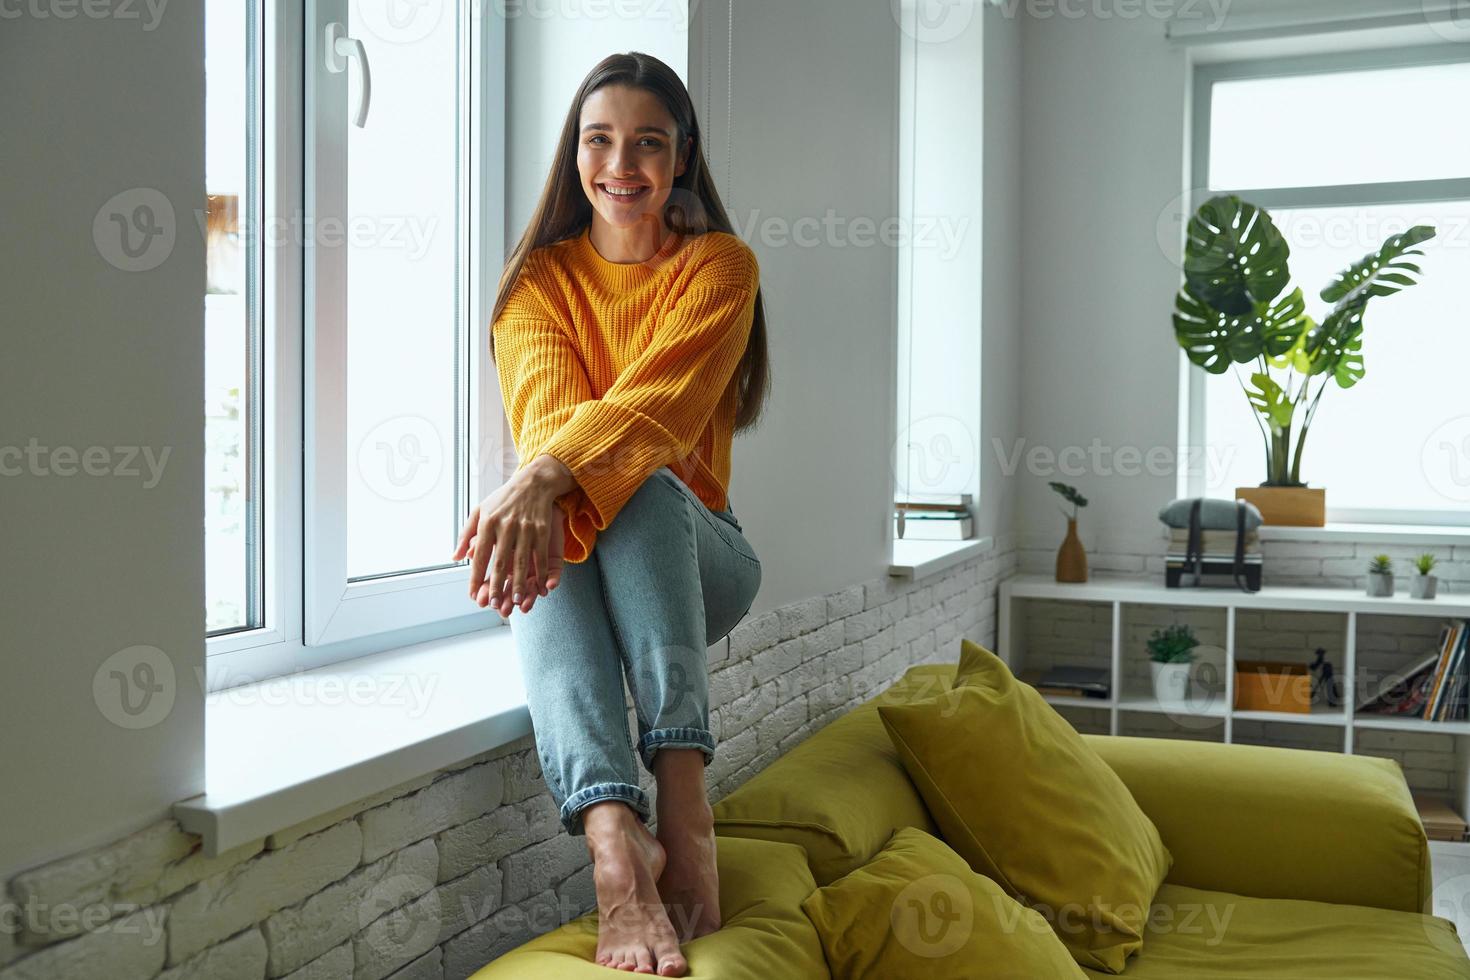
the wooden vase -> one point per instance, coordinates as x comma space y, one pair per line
1071, 557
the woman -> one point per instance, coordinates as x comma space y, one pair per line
629, 340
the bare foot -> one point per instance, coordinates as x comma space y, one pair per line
634, 932
690, 883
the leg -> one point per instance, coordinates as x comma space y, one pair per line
676, 579
574, 690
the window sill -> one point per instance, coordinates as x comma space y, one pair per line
919, 559
1380, 533
290, 749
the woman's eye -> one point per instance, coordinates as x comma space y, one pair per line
649, 142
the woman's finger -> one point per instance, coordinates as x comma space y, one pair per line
466, 533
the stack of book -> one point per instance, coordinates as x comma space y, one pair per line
1069, 681
933, 517
1435, 688
1440, 821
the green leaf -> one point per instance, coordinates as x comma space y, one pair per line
1380, 273
1336, 346
1235, 259
1214, 339
1295, 358
1268, 398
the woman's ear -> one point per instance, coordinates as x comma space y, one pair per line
683, 162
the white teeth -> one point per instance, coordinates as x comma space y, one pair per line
616, 192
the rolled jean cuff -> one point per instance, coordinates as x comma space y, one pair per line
675, 738
571, 816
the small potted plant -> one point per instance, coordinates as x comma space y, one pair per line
1380, 576
1171, 655
1071, 558
1424, 585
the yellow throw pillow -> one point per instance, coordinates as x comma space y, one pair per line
917, 910
1018, 793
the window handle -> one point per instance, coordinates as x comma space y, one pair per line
339, 49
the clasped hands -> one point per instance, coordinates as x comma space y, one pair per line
515, 540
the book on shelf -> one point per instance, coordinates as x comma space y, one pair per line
1435, 687
952, 529
1071, 681
928, 501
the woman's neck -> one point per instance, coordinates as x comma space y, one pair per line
634, 244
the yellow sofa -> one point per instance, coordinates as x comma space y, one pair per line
1287, 863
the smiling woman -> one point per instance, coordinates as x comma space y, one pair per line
629, 340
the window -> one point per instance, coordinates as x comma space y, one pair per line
354, 245
1344, 151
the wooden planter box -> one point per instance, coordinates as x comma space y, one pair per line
1291, 506
1269, 685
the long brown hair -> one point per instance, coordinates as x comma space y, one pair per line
693, 206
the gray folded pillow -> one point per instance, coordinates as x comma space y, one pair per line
1215, 514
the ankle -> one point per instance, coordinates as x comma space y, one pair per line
608, 824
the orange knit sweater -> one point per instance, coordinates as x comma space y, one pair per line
617, 369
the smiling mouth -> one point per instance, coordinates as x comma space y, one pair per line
622, 198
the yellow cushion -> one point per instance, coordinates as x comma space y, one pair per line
762, 885
1211, 935
811, 795
917, 910
1020, 796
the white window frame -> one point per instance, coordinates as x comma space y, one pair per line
312, 615
1338, 195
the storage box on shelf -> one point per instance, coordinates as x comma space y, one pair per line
1107, 621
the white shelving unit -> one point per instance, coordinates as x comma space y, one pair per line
1122, 593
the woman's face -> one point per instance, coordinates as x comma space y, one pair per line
626, 143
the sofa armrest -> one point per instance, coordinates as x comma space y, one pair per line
1279, 823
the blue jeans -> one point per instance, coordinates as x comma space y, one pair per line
667, 579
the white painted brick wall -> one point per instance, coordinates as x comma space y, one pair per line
437, 876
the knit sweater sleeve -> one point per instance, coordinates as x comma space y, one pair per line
542, 376
654, 414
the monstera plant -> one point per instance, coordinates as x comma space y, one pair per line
1237, 306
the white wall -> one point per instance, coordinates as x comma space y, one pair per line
1102, 158
99, 357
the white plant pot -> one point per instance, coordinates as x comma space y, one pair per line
1171, 684
1423, 586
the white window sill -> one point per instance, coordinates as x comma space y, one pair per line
290, 749
1381, 533
919, 559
